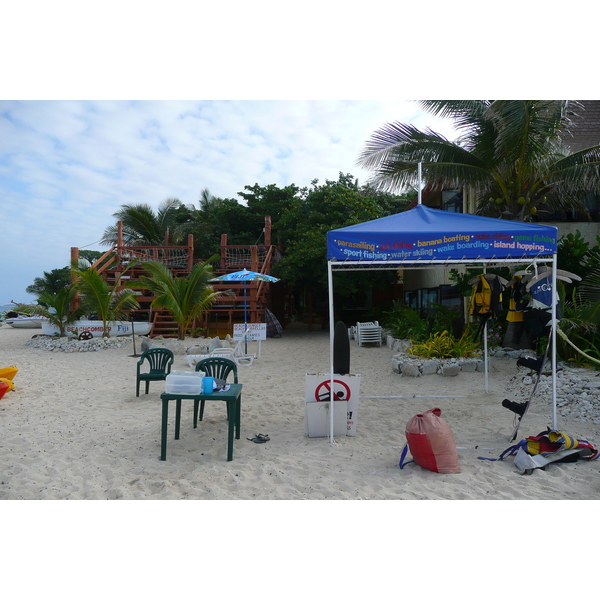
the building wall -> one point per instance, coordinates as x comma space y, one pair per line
588, 230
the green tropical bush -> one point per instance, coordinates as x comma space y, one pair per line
444, 345
109, 303
405, 323
56, 308
185, 298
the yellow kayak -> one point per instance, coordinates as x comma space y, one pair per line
8, 372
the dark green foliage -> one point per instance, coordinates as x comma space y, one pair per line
100, 298
50, 283
303, 227
185, 298
576, 255
57, 307
406, 323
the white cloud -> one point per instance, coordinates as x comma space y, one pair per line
66, 167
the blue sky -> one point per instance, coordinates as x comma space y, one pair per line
67, 166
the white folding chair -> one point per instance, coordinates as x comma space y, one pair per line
368, 333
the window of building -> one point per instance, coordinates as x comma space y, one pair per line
452, 201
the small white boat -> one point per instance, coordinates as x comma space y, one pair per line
115, 328
25, 322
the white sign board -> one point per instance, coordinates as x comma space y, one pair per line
256, 331
345, 387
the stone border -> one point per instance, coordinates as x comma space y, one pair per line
407, 365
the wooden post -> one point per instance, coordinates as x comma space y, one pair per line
119, 239
254, 258
190, 251
74, 256
224, 252
267, 230
74, 263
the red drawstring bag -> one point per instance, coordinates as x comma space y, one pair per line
431, 443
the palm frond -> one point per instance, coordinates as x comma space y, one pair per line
102, 299
509, 151
61, 314
395, 150
468, 115
185, 298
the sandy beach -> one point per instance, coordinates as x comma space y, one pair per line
74, 429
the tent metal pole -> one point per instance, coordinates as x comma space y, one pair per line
553, 337
485, 348
419, 182
331, 330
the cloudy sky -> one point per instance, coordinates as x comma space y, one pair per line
67, 166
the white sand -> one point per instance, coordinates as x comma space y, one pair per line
74, 429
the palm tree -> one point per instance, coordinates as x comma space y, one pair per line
509, 153
185, 298
51, 282
141, 225
109, 303
57, 307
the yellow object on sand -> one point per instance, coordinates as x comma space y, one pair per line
8, 372
10, 383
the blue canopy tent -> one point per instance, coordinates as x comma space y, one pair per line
428, 238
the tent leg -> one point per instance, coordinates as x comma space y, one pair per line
331, 331
485, 349
485, 354
553, 338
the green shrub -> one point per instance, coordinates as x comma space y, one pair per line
443, 345
405, 323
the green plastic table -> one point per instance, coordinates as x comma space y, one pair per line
233, 398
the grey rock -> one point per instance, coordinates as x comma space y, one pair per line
469, 365
430, 367
214, 344
410, 370
450, 370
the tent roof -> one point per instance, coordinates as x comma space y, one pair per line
427, 234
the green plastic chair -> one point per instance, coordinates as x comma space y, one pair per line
160, 361
219, 368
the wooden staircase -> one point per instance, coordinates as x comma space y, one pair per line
238, 302
163, 324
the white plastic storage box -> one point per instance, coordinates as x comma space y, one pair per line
184, 382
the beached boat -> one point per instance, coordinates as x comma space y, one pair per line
25, 322
115, 328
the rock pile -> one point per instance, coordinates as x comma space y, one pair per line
577, 391
408, 365
64, 344
179, 347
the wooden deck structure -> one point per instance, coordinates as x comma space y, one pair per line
227, 310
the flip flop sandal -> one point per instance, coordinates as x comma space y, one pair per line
260, 438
